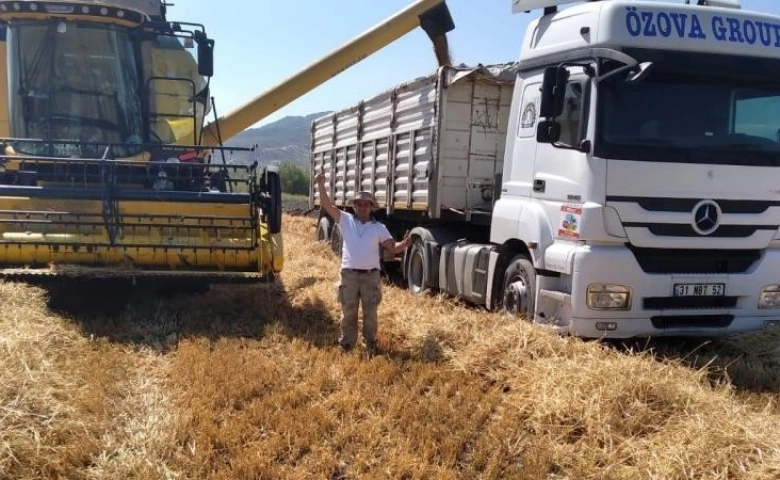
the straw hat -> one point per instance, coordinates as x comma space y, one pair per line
364, 196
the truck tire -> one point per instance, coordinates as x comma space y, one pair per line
416, 269
336, 240
324, 229
518, 295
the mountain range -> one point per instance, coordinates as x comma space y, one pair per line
283, 141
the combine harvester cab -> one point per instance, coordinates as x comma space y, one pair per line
103, 171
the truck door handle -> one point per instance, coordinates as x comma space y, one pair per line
539, 185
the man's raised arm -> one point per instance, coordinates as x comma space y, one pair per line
332, 211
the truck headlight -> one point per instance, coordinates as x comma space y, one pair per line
770, 297
601, 296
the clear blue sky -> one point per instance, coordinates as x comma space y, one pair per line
261, 42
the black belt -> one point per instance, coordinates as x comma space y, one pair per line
360, 270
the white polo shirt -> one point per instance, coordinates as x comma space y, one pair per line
361, 242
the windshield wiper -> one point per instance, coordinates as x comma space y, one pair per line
648, 141
750, 147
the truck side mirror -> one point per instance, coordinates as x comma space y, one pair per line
205, 54
553, 91
548, 131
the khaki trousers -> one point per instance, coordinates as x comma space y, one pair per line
356, 289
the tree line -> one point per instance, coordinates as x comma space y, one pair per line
295, 180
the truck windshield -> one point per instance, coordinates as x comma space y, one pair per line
693, 108
74, 85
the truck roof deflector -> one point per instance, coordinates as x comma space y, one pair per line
525, 6
522, 6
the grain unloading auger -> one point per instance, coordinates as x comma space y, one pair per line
107, 168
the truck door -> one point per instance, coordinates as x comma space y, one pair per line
561, 175
518, 173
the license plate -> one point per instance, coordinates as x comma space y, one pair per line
699, 289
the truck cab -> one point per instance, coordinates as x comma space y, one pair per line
618, 180
639, 193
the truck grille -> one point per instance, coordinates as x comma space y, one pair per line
659, 260
692, 321
655, 222
682, 230
670, 303
659, 204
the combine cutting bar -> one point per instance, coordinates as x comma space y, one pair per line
78, 272
133, 215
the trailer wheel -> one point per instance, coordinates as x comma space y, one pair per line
324, 229
519, 293
336, 240
416, 271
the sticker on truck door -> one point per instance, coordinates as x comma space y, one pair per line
570, 219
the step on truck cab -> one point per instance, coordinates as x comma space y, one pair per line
638, 192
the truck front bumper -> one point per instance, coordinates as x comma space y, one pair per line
658, 306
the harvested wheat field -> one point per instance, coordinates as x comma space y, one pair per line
245, 382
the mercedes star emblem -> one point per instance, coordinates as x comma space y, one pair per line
706, 217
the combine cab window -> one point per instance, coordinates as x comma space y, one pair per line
75, 85
177, 94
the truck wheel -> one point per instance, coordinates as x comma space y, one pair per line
416, 269
519, 293
324, 229
336, 240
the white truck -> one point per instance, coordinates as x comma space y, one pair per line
619, 180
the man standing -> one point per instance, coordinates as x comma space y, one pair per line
360, 278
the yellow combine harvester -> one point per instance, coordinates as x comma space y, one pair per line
106, 166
